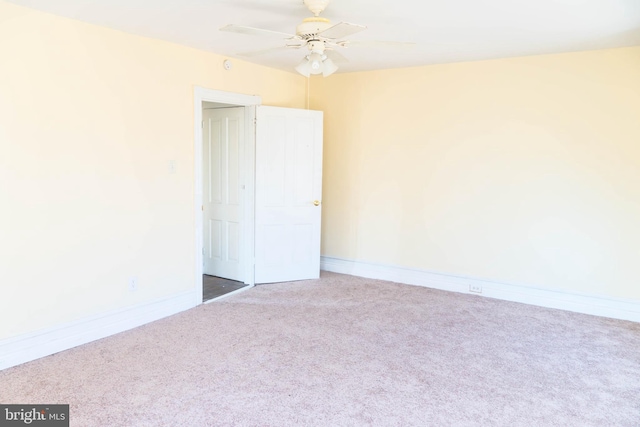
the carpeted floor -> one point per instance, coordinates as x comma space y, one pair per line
347, 351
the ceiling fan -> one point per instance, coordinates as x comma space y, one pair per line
319, 36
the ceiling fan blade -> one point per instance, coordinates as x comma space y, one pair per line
270, 50
341, 30
379, 44
335, 56
232, 28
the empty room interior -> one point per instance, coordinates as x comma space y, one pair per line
416, 213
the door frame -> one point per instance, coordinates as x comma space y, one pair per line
201, 95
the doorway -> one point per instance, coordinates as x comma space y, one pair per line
222, 182
224, 192
222, 204
275, 219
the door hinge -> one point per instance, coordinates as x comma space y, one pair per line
202, 124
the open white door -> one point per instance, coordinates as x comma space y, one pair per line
288, 194
222, 202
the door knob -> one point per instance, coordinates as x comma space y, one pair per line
316, 203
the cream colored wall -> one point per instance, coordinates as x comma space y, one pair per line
522, 170
89, 119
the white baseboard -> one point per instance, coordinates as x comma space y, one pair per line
598, 305
31, 346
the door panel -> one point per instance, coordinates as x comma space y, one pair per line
223, 131
288, 182
213, 159
215, 239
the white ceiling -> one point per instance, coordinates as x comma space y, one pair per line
444, 30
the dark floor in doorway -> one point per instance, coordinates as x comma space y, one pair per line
214, 287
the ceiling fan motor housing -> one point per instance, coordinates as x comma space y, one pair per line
312, 26
316, 46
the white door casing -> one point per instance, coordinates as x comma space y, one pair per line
288, 194
223, 179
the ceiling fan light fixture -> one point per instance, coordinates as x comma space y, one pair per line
315, 63
328, 67
304, 67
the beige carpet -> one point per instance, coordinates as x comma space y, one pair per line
347, 351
